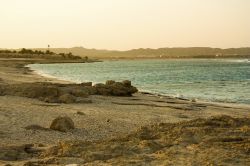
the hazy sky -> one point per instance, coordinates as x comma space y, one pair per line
124, 24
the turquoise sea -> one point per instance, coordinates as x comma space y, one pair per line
223, 80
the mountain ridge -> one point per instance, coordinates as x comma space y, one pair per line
166, 52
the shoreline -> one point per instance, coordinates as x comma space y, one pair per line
146, 91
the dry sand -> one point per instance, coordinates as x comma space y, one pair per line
122, 119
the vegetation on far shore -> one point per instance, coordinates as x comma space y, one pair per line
47, 54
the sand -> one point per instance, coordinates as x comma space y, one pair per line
116, 118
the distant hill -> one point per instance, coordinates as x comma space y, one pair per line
180, 52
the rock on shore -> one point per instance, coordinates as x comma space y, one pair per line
67, 93
62, 124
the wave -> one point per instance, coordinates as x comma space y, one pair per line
239, 60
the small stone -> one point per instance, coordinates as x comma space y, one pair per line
80, 113
194, 100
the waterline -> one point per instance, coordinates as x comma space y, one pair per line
206, 79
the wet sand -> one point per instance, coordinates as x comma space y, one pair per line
116, 118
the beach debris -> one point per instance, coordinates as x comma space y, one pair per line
63, 124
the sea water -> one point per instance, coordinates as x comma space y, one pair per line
223, 80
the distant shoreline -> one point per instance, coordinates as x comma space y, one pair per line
172, 52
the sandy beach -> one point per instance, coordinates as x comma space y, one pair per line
144, 129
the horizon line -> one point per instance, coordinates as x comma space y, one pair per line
123, 50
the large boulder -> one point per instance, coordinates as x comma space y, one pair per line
62, 124
122, 89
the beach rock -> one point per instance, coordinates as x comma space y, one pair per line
99, 85
80, 113
86, 84
79, 93
50, 99
119, 89
112, 88
110, 82
62, 124
67, 93
127, 83
13, 153
32, 90
2, 90
40, 91
91, 90
102, 89
67, 98
194, 100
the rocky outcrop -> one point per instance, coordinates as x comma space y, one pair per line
62, 124
68, 93
112, 88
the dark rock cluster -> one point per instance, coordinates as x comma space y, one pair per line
68, 93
